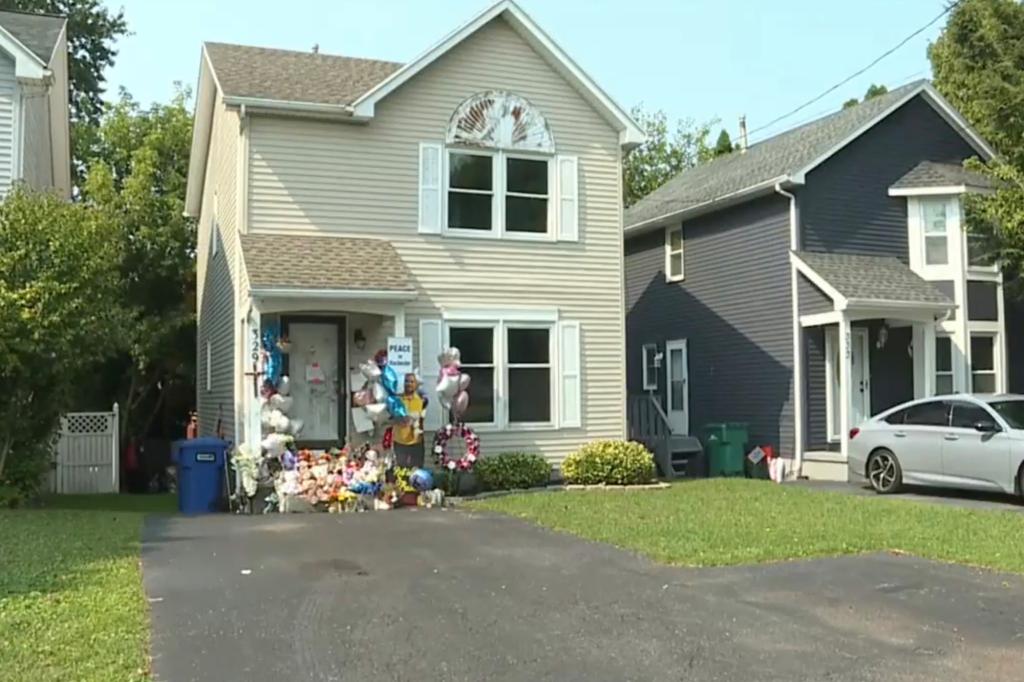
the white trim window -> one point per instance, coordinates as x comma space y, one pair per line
649, 354
944, 383
499, 194
674, 254
935, 230
984, 362
512, 369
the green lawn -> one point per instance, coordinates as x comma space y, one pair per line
71, 601
721, 522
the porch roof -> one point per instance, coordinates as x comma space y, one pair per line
872, 280
935, 174
319, 263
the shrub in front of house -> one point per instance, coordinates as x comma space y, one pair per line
612, 462
511, 470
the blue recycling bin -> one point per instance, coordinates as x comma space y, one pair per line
200, 474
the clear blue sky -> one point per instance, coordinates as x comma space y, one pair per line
698, 59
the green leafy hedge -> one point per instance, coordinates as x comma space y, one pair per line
613, 462
510, 470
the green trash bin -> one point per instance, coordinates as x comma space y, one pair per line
725, 445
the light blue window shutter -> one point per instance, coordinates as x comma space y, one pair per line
430, 188
570, 381
431, 343
568, 198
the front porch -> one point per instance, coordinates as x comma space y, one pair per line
868, 347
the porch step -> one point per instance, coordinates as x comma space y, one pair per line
683, 457
824, 466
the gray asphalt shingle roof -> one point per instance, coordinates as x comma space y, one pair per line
265, 73
310, 262
935, 174
776, 157
873, 278
37, 32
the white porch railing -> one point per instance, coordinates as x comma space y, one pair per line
88, 453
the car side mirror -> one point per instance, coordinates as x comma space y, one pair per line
986, 426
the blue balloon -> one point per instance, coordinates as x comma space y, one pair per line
389, 378
396, 407
421, 479
273, 368
364, 488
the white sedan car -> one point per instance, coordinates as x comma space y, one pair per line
956, 441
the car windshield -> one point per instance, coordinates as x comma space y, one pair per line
1010, 410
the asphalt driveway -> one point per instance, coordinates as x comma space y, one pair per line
454, 595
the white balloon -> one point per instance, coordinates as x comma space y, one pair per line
282, 402
448, 386
379, 394
378, 413
296, 426
284, 386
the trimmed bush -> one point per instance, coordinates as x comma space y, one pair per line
613, 462
510, 470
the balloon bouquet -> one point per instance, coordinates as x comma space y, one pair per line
453, 394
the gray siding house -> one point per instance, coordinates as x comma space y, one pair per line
818, 278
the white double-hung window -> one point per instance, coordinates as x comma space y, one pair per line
498, 194
525, 370
934, 227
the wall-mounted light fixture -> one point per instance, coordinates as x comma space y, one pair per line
360, 339
883, 336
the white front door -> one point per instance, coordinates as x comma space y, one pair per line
315, 380
677, 377
860, 379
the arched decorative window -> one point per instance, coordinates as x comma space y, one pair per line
500, 120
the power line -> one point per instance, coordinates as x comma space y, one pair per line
822, 112
858, 73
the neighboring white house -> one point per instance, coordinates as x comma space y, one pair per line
471, 197
34, 138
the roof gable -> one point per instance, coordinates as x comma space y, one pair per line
38, 33
784, 159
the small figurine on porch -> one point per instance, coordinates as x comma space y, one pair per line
409, 432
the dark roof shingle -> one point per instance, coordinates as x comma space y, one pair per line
873, 278
935, 174
286, 75
310, 262
37, 32
773, 158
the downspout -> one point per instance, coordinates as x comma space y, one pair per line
797, 336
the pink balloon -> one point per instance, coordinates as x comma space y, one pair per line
463, 382
460, 403
362, 398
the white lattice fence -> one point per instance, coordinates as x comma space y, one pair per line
87, 453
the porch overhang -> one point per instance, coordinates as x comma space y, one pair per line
869, 287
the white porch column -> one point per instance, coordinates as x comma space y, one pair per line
399, 319
928, 359
845, 385
250, 344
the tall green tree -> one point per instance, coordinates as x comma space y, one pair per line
59, 314
874, 90
136, 181
723, 145
664, 154
978, 62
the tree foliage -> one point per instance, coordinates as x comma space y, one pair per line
723, 145
136, 181
664, 154
59, 311
874, 90
978, 62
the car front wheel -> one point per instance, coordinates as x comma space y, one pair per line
884, 472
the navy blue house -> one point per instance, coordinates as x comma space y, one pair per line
818, 278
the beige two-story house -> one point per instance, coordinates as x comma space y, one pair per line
469, 198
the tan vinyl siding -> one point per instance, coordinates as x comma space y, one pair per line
37, 152
362, 180
216, 290
60, 134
